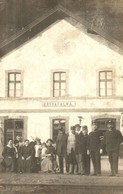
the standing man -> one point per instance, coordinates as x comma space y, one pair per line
85, 156
94, 148
78, 149
61, 150
112, 140
71, 151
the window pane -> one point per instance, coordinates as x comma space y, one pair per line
109, 92
63, 85
109, 85
62, 93
102, 85
56, 86
56, 76
63, 76
9, 124
18, 86
9, 135
56, 93
11, 93
62, 121
55, 121
102, 92
11, 86
101, 125
102, 75
19, 124
11, 76
18, 77
18, 93
109, 75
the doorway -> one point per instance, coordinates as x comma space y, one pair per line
56, 125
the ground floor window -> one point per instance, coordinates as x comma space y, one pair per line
12, 129
56, 124
102, 123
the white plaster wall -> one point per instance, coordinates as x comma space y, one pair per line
39, 125
62, 46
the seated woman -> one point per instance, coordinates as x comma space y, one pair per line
9, 156
48, 152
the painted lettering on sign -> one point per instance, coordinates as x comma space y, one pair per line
59, 104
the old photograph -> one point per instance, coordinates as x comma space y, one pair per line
61, 96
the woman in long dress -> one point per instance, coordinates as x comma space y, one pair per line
9, 156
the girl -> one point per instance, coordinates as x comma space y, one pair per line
37, 148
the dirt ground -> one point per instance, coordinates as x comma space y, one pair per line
63, 184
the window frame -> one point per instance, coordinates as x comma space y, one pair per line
54, 137
66, 118
105, 81
13, 131
7, 83
66, 82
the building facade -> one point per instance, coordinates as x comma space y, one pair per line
60, 77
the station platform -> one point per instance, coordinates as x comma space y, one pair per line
63, 183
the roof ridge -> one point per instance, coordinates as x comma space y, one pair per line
66, 13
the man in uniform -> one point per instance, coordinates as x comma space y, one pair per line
85, 156
94, 148
112, 140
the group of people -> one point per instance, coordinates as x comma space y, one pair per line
71, 153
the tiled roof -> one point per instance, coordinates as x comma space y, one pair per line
104, 22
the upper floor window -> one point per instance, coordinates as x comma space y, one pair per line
59, 84
105, 83
14, 84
